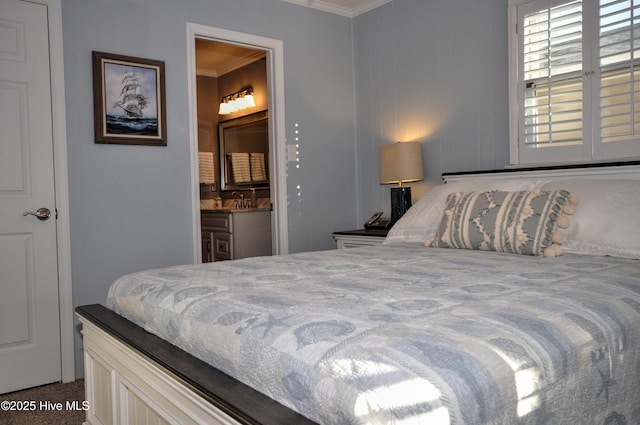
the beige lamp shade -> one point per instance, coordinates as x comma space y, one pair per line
400, 163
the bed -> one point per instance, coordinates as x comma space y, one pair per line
533, 319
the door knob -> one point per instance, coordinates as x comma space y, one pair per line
42, 214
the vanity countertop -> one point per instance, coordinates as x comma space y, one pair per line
209, 205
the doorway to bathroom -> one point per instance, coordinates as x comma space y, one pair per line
245, 50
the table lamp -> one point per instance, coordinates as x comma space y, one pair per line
400, 163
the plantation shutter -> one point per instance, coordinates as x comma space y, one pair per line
553, 83
576, 73
619, 76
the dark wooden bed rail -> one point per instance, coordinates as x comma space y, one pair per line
236, 399
550, 168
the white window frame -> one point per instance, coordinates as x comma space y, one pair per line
591, 149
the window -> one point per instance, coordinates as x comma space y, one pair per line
575, 84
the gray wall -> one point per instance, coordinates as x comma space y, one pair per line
433, 71
130, 207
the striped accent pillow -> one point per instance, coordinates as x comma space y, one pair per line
522, 222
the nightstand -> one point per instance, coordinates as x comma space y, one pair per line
360, 237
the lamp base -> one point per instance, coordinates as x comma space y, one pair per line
400, 202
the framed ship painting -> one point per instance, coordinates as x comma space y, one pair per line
128, 97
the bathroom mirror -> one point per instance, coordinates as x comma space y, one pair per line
244, 152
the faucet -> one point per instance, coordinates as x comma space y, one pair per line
241, 195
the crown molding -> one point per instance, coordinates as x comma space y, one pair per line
231, 66
201, 72
370, 5
349, 12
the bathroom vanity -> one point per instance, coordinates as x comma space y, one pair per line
230, 234
237, 222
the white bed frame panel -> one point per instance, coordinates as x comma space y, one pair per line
125, 387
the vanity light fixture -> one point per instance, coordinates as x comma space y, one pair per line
400, 163
237, 101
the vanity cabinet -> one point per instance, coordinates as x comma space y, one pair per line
234, 234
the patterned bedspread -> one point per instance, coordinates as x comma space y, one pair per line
402, 334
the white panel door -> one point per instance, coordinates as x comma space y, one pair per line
29, 316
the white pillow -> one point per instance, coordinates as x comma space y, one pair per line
421, 221
607, 218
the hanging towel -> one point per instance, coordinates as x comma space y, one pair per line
206, 168
240, 166
258, 173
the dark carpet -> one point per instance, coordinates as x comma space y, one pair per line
59, 404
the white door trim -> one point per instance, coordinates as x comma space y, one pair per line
56, 57
275, 72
